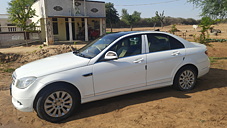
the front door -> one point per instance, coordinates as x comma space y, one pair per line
127, 72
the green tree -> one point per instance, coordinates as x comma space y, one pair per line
173, 29
205, 25
130, 19
19, 13
112, 16
160, 17
216, 9
154, 20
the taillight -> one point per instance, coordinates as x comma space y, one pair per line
206, 52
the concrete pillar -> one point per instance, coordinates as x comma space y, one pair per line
86, 29
101, 27
85, 8
49, 31
70, 29
48, 26
74, 12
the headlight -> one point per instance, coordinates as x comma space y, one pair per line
25, 82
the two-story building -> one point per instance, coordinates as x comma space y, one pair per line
9, 34
70, 19
6, 25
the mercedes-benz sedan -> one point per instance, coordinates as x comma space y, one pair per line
112, 65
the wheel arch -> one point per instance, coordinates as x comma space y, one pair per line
187, 65
58, 83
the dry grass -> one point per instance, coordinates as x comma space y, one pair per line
183, 29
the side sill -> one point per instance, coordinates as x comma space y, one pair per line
127, 91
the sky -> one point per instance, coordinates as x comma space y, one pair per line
173, 8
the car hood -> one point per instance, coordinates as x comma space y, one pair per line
51, 65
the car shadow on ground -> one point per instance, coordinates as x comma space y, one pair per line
216, 78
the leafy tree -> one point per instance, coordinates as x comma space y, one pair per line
112, 16
160, 17
212, 8
205, 25
154, 20
173, 29
19, 13
130, 19
190, 21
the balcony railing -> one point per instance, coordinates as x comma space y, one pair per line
10, 29
14, 29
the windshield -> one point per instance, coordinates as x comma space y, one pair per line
96, 46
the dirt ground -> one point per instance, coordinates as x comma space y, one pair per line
203, 107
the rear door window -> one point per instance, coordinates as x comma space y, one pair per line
162, 42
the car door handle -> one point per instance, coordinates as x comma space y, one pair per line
138, 60
176, 53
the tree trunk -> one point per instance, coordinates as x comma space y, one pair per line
25, 37
131, 27
154, 25
111, 27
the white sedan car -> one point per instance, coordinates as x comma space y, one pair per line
112, 65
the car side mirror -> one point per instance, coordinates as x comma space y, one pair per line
111, 55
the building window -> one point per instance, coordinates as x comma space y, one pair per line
55, 26
54, 19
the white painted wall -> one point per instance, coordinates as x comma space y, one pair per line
67, 8
39, 8
4, 20
95, 5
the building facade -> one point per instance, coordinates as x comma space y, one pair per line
6, 25
69, 20
10, 35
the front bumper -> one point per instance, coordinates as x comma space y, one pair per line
21, 99
23, 105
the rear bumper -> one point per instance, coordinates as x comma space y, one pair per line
203, 72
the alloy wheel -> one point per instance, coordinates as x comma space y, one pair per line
187, 79
58, 104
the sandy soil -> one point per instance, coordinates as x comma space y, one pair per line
203, 107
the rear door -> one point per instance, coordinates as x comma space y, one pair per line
164, 57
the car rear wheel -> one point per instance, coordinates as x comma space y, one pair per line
57, 103
185, 79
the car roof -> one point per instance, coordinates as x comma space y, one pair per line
119, 34
128, 33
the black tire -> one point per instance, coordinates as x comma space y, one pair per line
57, 102
185, 79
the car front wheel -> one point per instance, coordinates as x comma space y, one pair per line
57, 103
185, 79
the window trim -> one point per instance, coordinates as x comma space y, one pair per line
147, 45
143, 50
